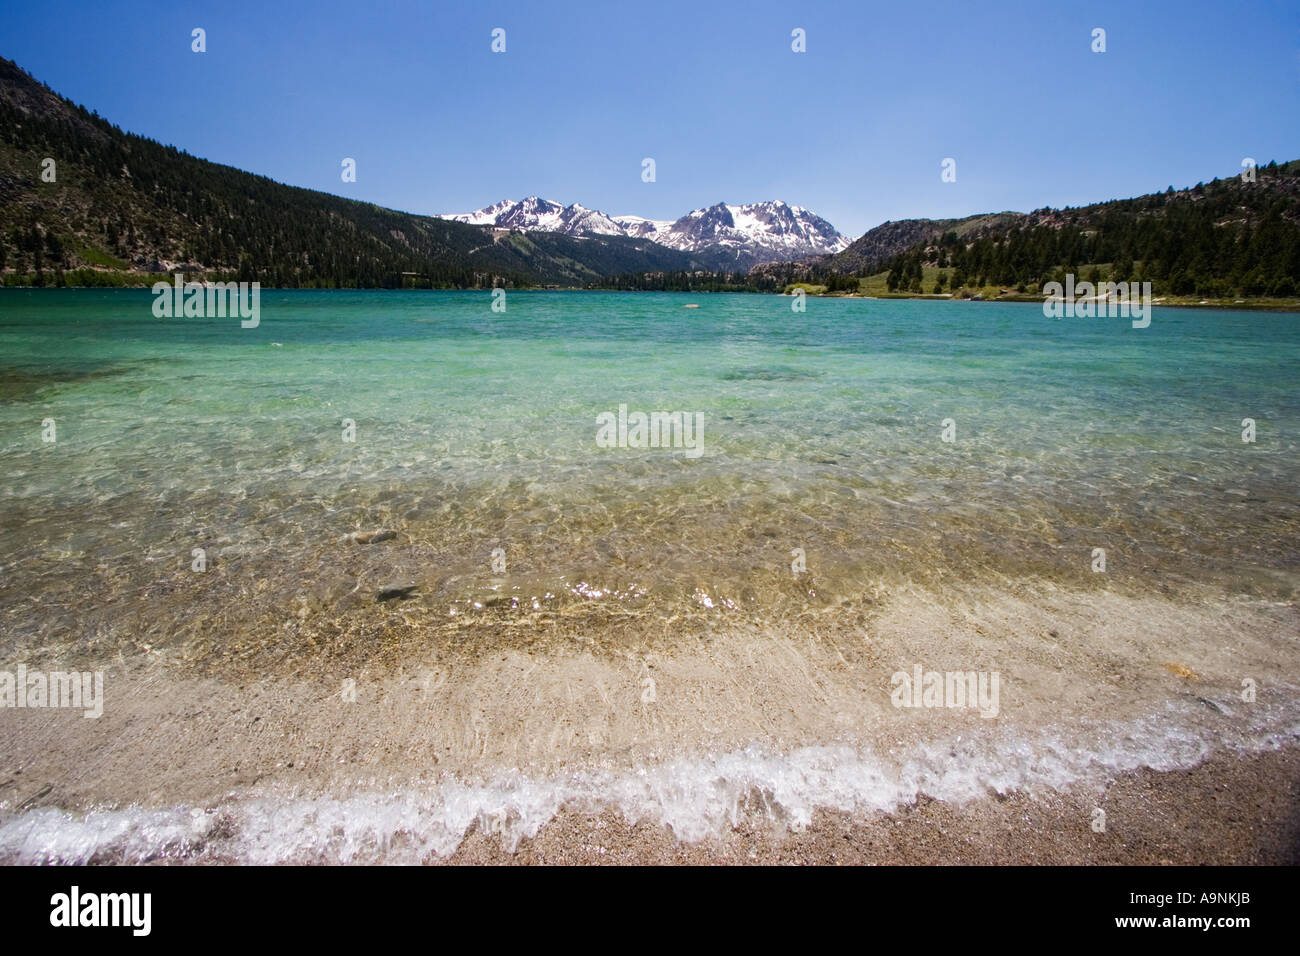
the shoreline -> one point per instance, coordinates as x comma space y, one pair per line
1273, 306
1228, 811
773, 744
1231, 809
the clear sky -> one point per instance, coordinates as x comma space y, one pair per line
855, 128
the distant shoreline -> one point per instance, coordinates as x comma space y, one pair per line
1178, 302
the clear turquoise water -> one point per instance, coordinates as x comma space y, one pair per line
476, 430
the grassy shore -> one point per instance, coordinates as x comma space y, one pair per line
877, 287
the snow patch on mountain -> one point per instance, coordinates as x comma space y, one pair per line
754, 232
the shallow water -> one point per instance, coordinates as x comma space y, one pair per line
477, 430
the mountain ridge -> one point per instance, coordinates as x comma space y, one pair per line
740, 235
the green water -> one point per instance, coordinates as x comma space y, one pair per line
476, 430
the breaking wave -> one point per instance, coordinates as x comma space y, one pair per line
696, 798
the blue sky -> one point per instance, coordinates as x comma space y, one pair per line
855, 128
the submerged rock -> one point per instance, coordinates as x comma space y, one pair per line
373, 537
397, 592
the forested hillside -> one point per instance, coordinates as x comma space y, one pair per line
122, 207
1219, 239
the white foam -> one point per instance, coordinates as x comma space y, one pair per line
696, 798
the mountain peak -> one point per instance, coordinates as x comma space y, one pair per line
742, 235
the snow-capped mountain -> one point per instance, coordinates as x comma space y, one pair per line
748, 234
542, 215
779, 230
